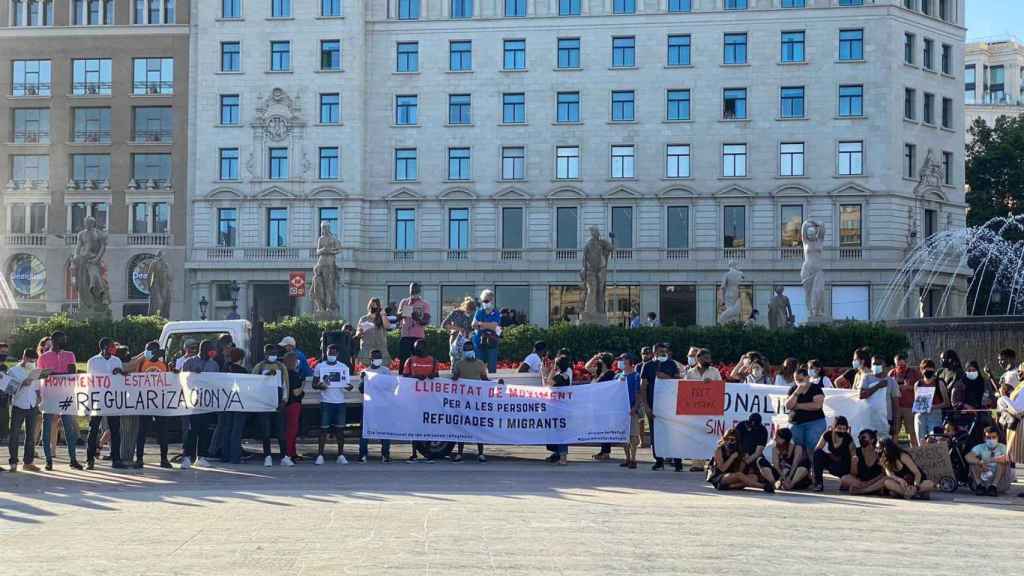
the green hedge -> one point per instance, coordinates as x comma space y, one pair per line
833, 343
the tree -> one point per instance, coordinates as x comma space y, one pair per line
995, 169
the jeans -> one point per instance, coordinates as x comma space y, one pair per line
70, 425
807, 434
837, 467
93, 446
488, 356
219, 439
292, 412
925, 423
231, 436
149, 423
272, 422
364, 448
28, 416
199, 430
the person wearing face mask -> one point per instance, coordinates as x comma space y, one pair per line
742, 368
234, 422
701, 371
926, 422
833, 453
785, 377
331, 378
903, 415
421, 366
806, 417
560, 377
271, 365
59, 361
757, 374
726, 471
989, 464
789, 462
471, 368
661, 367
105, 363
413, 315
151, 360
904, 478
866, 474
628, 376
459, 324
600, 367
816, 374
377, 366
753, 439
292, 409
25, 396
487, 331
199, 424
875, 388
978, 385
372, 332
1008, 362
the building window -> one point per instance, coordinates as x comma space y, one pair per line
735, 49
330, 163
405, 109
792, 46
908, 47
947, 59
230, 57
734, 103
458, 164
623, 52
734, 227
330, 108
32, 125
227, 227
567, 162
851, 100
458, 229
153, 76
568, 52
92, 77
909, 103
624, 7
926, 7
677, 164
35, 167
622, 227
280, 8
229, 109
909, 160
405, 229
515, 55
153, 124
80, 210
408, 9
278, 163
850, 235
928, 111
277, 227
970, 83
513, 160
330, 8
678, 105
405, 164
794, 3
851, 2
927, 57
679, 5
31, 78
792, 218
330, 54
678, 228
91, 167
27, 218
462, 8
512, 228
792, 102
513, 108
851, 44
408, 57
92, 125
947, 168
460, 55
515, 8
459, 109
996, 91
568, 7
568, 107
735, 4
229, 163
623, 162
160, 223
851, 158
947, 113
152, 167
566, 228
679, 50
791, 159
623, 106
734, 160
280, 56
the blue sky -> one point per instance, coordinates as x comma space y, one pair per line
995, 18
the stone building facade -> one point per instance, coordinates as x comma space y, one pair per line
993, 80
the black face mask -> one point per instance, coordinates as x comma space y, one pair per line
929, 374
3, 357
419, 351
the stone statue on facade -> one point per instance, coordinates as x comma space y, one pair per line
324, 291
812, 274
87, 265
595, 278
730, 295
780, 312
159, 282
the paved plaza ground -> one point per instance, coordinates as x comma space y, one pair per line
512, 515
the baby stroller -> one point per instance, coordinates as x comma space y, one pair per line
959, 446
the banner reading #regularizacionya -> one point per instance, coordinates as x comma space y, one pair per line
158, 394
492, 413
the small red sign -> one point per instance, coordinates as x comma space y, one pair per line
697, 398
297, 284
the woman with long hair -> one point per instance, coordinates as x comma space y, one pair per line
727, 466
904, 478
372, 332
866, 474
459, 324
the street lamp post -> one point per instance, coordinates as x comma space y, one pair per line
203, 305
235, 289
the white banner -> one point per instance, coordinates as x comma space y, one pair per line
158, 394
443, 410
689, 422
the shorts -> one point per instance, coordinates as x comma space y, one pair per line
332, 415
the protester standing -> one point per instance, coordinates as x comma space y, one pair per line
5, 399
108, 364
332, 379
273, 421
372, 331
817, 374
24, 401
459, 324
560, 377
903, 418
288, 345
413, 315
234, 422
700, 371
660, 367
59, 361
487, 331
204, 362
805, 403
292, 408
471, 368
925, 423
151, 360
377, 366
629, 378
873, 388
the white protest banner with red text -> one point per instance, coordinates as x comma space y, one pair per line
490, 413
158, 394
690, 417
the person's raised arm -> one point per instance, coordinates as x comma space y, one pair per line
791, 400
815, 404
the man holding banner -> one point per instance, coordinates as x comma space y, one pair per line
57, 361
660, 368
105, 363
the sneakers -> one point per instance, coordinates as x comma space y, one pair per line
992, 491
13, 468
362, 459
75, 465
49, 466
287, 461
658, 466
319, 460
166, 464
386, 459
819, 487
481, 458
202, 462
268, 462
186, 462
342, 460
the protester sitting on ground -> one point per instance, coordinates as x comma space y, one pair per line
785, 376
806, 416
631, 379
903, 416
866, 474
726, 469
904, 479
833, 453
757, 373
816, 374
753, 438
471, 368
271, 421
989, 464
292, 408
789, 462
377, 366
534, 362
421, 366
332, 379
560, 377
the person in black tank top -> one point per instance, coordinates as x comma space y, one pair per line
866, 474
903, 477
833, 453
790, 462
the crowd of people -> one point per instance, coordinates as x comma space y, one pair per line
969, 409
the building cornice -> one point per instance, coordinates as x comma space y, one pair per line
92, 31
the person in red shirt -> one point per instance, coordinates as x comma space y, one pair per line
421, 365
905, 377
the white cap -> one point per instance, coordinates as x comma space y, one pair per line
287, 341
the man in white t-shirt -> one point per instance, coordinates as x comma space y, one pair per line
24, 399
332, 379
106, 362
533, 363
701, 371
1008, 360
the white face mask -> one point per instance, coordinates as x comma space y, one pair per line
332, 359
376, 362
691, 360
876, 369
271, 358
990, 443
812, 373
622, 364
30, 366
757, 373
469, 355
488, 305
856, 364
972, 375
662, 358
148, 354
